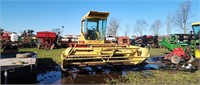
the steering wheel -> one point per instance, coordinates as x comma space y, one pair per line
93, 27
94, 31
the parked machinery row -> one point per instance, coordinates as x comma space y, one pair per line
27, 39
50, 40
184, 47
8, 39
146, 41
120, 40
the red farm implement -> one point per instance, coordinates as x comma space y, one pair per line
46, 39
5, 39
28, 39
123, 40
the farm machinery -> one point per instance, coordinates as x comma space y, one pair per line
110, 38
4, 38
183, 47
120, 40
47, 40
92, 50
27, 39
8, 39
146, 40
69, 40
123, 40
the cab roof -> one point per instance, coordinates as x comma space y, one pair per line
96, 14
196, 23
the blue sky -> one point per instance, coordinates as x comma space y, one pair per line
43, 15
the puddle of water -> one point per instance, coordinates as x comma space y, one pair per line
88, 69
107, 71
49, 77
52, 75
85, 75
154, 63
124, 73
74, 69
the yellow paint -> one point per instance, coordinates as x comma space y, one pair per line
95, 14
104, 52
196, 23
197, 53
134, 54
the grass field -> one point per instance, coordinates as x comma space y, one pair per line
158, 52
54, 54
158, 77
42, 53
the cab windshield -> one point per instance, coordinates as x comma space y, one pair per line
196, 30
94, 29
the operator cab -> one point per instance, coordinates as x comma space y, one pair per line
196, 29
93, 25
94, 29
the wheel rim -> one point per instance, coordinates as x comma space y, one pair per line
175, 59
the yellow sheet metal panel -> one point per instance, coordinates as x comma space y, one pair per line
86, 53
144, 51
66, 52
94, 41
96, 14
196, 23
197, 53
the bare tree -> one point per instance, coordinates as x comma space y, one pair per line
182, 15
56, 30
140, 26
127, 30
168, 24
113, 26
156, 26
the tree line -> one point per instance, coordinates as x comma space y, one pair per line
180, 19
